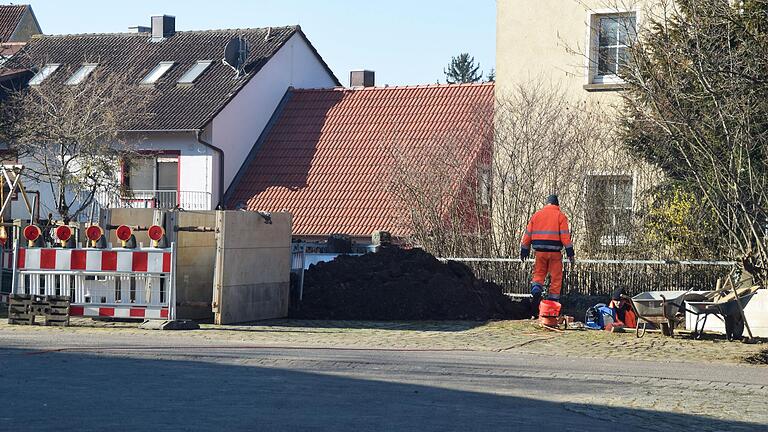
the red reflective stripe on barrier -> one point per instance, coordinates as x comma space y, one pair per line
139, 313
108, 261
108, 312
76, 311
48, 259
140, 261
164, 313
22, 257
78, 260
166, 263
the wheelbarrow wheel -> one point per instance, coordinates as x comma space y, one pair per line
640, 328
734, 327
666, 329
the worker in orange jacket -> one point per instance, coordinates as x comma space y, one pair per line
548, 234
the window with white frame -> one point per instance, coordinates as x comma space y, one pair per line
157, 72
43, 73
612, 35
609, 209
195, 71
154, 178
81, 74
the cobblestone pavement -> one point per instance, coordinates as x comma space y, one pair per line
122, 378
512, 336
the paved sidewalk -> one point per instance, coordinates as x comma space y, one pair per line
122, 379
513, 336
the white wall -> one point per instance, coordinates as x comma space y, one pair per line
240, 123
196, 168
195, 160
235, 129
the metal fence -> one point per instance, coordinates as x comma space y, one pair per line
602, 277
163, 199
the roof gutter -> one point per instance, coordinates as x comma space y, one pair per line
199, 138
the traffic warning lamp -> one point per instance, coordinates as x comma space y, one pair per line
156, 233
124, 234
32, 233
94, 234
3, 236
63, 233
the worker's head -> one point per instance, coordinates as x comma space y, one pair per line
552, 199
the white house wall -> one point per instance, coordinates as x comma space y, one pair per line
239, 124
235, 129
196, 168
195, 159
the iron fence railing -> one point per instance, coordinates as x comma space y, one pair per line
602, 277
162, 199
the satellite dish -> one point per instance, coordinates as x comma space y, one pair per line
235, 54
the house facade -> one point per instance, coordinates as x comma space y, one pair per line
209, 96
577, 49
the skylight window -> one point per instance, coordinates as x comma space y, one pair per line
194, 72
44, 73
81, 74
156, 73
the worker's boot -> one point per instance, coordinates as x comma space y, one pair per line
536, 291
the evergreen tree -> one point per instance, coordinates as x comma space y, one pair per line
463, 70
491, 77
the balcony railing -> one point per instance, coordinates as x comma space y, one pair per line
161, 199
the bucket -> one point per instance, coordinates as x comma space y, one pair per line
549, 311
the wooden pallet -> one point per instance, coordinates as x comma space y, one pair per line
24, 308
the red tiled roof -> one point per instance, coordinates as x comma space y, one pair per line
330, 154
9, 20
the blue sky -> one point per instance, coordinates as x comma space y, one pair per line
405, 42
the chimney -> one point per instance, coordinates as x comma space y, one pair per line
163, 27
139, 29
362, 78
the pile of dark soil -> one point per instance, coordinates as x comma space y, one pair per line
760, 358
397, 284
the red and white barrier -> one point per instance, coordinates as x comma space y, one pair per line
95, 260
114, 283
119, 312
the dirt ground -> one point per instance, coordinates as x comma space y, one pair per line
525, 337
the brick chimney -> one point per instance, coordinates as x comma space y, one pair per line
163, 26
362, 78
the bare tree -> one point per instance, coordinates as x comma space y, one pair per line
442, 189
538, 142
69, 135
696, 108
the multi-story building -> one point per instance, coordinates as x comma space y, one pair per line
576, 49
206, 112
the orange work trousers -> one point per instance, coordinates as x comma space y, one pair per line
552, 263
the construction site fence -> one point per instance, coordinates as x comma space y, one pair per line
602, 277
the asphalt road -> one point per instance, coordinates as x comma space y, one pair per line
59, 381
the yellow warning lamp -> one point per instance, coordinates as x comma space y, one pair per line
124, 234
94, 234
3, 236
63, 233
32, 233
156, 233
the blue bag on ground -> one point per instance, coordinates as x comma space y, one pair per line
598, 316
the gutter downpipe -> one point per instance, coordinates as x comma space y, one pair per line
198, 133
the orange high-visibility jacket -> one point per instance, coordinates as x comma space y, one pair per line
548, 231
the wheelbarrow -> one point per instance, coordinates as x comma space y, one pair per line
728, 308
663, 309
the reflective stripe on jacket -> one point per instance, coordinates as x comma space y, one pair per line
548, 231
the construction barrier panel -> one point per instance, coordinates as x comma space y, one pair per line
118, 283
